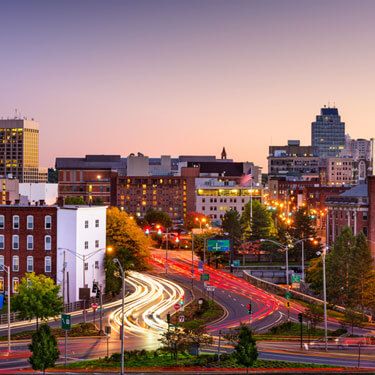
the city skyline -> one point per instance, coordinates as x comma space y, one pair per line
242, 75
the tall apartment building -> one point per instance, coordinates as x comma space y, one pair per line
328, 133
19, 150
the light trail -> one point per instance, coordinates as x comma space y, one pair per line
152, 297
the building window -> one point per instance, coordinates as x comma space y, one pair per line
29, 264
1, 284
16, 222
1, 263
2, 222
30, 242
47, 264
2, 244
86, 245
96, 223
15, 284
97, 243
86, 224
15, 263
15, 242
97, 264
30, 222
364, 215
47, 242
86, 266
48, 222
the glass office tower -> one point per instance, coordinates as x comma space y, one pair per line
328, 133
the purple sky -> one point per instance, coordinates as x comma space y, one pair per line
185, 77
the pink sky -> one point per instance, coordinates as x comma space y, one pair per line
185, 77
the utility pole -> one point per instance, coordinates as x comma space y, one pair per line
115, 260
101, 310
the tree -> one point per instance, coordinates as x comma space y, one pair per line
354, 318
158, 217
43, 348
129, 244
75, 201
231, 224
174, 341
262, 223
314, 314
245, 349
38, 297
314, 275
197, 336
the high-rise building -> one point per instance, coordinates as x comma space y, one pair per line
328, 133
19, 150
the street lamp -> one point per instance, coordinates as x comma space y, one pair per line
116, 261
323, 254
6, 269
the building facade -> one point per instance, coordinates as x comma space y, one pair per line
9, 191
36, 193
19, 150
28, 242
81, 241
328, 133
215, 196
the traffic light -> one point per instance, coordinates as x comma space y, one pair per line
300, 317
94, 287
248, 306
98, 291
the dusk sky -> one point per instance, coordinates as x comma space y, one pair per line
185, 77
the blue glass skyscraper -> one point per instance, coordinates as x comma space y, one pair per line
328, 133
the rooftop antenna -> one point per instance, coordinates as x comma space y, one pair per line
328, 105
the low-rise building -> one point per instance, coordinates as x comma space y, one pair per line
39, 192
28, 242
81, 242
215, 196
9, 191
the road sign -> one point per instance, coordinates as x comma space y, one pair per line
296, 278
205, 277
200, 266
66, 321
288, 295
94, 306
236, 263
211, 288
218, 246
177, 306
84, 294
181, 318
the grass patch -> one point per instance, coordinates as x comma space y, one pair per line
77, 330
143, 359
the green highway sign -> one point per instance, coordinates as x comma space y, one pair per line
218, 246
205, 277
65, 321
288, 295
296, 278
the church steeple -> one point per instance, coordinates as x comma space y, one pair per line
223, 154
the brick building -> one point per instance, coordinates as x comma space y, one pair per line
174, 195
28, 242
355, 208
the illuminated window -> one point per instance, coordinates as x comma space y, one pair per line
1, 284
15, 284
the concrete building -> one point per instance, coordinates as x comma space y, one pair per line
28, 242
81, 236
137, 165
214, 196
19, 150
9, 191
338, 172
39, 192
328, 133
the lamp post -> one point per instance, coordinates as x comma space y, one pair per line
6, 269
116, 261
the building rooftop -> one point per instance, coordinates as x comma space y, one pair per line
92, 162
356, 191
329, 112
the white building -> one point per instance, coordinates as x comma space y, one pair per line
214, 196
36, 192
81, 235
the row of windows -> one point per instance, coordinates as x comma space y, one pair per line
96, 223
29, 242
223, 200
87, 244
29, 222
29, 264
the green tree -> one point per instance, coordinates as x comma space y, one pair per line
158, 217
75, 201
245, 349
231, 224
38, 297
314, 275
43, 348
196, 220
354, 318
262, 223
128, 243
314, 313
174, 341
